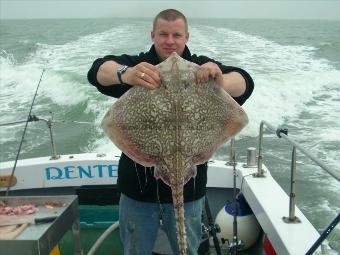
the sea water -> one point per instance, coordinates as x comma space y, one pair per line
295, 66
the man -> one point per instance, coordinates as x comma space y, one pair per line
144, 200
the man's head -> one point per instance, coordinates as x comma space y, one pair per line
170, 33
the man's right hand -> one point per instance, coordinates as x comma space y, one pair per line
142, 74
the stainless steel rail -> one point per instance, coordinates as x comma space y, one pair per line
283, 133
231, 152
49, 122
31, 118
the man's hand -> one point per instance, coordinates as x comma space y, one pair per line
232, 82
208, 70
143, 74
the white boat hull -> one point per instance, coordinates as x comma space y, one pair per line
266, 198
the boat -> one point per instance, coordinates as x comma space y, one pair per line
277, 226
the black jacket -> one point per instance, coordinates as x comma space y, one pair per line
134, 180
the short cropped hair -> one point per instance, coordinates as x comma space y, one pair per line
170, 15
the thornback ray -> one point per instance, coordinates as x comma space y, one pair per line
175, 127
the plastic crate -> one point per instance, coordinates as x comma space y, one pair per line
98, 216
94, 220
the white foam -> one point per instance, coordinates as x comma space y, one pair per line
103, 145
293, 87
64, 83
328, 206
286, 76
18, 84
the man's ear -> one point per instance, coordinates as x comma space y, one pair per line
152, 35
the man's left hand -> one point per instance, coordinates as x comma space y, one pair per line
208, 70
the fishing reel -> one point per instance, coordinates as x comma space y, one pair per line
210, 230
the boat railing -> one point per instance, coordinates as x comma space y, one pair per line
48, 122
283, 133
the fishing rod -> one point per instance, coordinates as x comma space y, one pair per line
324, 235
29, 118
234, 243
213, 228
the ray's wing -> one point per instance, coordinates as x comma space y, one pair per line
129, 125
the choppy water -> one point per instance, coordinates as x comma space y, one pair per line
295, 66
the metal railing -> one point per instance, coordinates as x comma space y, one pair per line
283, 133
251, 162
48, 122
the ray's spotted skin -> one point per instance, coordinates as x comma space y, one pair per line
175, 127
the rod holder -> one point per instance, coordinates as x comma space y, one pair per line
53, 148
260, 172
49, 123
231, 152
292, 196
251, 158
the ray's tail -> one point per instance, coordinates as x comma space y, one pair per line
177, 196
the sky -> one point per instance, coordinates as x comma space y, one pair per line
267, 9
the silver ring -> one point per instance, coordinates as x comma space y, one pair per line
142, 75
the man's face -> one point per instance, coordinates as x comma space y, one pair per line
169, 37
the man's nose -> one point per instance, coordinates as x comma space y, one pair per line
170, 39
